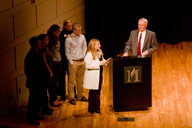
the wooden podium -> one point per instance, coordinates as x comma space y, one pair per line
130, 83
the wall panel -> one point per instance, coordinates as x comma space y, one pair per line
17, 2
64, 6
5, 5
7, 63
46, 11
22, 89
25, 21
8, 97
21, 52
6, 29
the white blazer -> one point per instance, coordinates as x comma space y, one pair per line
92, 71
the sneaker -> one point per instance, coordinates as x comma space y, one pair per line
72, 102
84, 99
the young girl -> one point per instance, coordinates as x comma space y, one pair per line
93, 74
54, 45
46, 53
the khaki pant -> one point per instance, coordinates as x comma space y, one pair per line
76, 78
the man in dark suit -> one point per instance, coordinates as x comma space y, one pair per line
142, 41
66, 32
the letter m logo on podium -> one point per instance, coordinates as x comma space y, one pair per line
132, 74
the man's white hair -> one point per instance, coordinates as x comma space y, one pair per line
144, 19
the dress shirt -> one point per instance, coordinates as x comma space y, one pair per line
75, 47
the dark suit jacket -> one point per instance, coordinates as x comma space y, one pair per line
62, 43
35, 70
150, 42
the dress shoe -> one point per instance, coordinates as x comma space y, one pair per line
56, 105
63, 98
91, 112
49, 109
98, 111
33, 122
40, 118
84, 99
46, 112
72, 102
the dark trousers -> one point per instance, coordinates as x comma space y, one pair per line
94, 100
54, 82
44, 103
34, 103
61, 90
94, 97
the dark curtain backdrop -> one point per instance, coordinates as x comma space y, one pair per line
111, 22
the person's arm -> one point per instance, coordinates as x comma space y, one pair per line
85, 46
62, 47
153, 45
69, 35
102, 58
128, 45
27, 66
47, 66
90, 63
68, 50
30, 69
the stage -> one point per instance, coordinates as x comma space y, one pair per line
171, 99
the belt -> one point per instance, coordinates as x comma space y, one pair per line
79, 60
92, 69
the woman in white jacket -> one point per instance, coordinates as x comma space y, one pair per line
93, 74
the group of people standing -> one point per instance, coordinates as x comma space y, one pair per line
55, 53
51, 56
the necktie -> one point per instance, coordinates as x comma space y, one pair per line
139, 45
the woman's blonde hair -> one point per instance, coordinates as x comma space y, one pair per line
91, 47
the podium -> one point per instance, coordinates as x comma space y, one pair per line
130, 83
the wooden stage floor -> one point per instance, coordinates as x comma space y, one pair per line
171, 99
